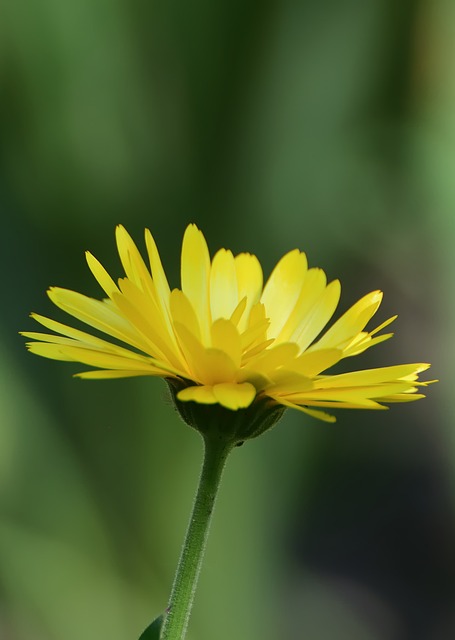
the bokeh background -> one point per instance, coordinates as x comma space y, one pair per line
323, 125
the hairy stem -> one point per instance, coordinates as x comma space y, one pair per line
189, 566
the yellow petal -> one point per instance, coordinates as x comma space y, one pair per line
273, 358
258, 380
256, 350
75, 337
208, 366
320, 415
156, 267
160, 282
329, 400
51, 351
192, 349
93, 358
216, 367
332, 404
282, 290
224, 295
97, 314
104, 279
319, 315
313, 287
350, 323
311, 364
284, 382
70, 332
361, 396
109, 374
238, 312
256, 333
249, 282
132, 261
102, 346
225, 337
383, 325
69, 342
183, 312
141, 311
195, 276
234, 396
402, 397
201, 394
372, 376
362, 342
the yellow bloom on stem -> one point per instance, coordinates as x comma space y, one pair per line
224, 338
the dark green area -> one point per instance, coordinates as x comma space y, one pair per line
153, 630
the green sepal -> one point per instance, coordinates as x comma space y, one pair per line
153, 631
231, 426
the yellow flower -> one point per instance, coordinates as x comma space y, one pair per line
224, 338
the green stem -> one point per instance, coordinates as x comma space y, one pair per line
189, 566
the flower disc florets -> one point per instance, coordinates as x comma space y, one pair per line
224, 339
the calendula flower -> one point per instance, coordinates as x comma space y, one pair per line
235, 354
224, 338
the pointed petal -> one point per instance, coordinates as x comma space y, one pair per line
161, 285
350, 323
331, 404
238, 312
313, 287
103, 278
402, 397
273, 358
319, 315
98, 314
285, 382
195, 274
51, 351
140, 309
361, 396
156, 267
132, 261
311, 364
225, 337
249, 282
363, 342
256, 350
92, 358
110, 374
224, 295
256, 333
74, 337
282, 290
320, 415
70, 332
383, 325
373, 376
183, 312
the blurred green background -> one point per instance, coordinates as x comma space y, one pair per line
327, 126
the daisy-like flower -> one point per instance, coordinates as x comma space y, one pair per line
224, 338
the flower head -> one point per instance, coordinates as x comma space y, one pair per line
224, 338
